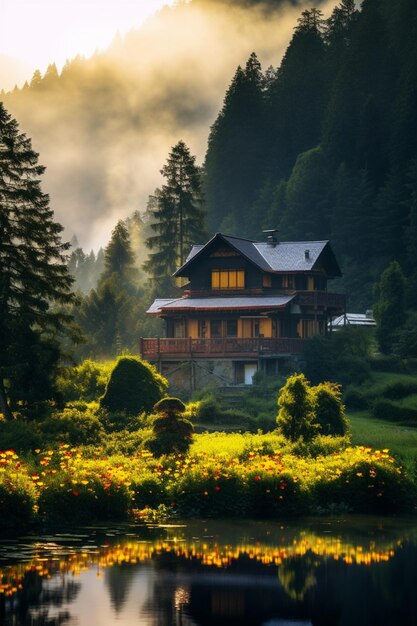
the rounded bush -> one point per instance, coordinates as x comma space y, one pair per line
170, 406
170, 432
134, 386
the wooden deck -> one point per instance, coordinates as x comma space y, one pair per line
153, 349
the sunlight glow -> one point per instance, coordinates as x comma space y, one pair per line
39, 32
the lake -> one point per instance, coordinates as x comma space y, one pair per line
351, 571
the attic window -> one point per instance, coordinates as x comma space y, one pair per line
227, 279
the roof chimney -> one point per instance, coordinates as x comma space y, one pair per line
307, 254
271, 237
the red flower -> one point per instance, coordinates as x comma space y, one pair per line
75, 493
283, 485
257, 478
217, 488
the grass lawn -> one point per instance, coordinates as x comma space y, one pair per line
368, 431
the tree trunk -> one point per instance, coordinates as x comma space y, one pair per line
4, 407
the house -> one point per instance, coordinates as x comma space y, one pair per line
248, 306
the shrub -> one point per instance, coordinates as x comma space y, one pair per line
386, 410
209, 411
148, 491
86, 381
119, 421
209, 494
19, 435
296, 417
171, 433
365, 483
400, 389
66, 503
74, 425
271, 495
355, 399
134, 386
17, 494
329, 410
321, 445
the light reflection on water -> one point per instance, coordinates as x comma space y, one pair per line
319, 572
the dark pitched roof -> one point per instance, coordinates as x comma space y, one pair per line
284, 256
251, 303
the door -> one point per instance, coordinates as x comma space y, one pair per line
250, 371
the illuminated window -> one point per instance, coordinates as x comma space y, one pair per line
227, 279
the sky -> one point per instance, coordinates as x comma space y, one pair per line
34, 33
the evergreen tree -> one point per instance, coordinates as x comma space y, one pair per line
306, 198
109, 315
236, 157
119, 258
411, 234
177, 215
33, 269
389, 308
296, 99
296, 415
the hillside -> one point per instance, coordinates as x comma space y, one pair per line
325, 147
104, 126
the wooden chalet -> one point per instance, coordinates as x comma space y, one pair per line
247, 306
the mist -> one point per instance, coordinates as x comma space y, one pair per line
105, 125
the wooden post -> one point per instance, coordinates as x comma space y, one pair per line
192, 375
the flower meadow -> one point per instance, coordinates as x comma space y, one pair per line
222, 475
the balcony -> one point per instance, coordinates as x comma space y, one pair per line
187, 348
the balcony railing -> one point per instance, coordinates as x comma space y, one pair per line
224, 347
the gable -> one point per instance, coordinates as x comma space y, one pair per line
222, 246
282, 257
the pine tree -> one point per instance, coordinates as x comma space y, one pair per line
177, 215
33, 265
119, 258
296, 100
236, 157
109, 314
389, 309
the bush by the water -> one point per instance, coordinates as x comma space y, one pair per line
17, 494
222, 475
134, 386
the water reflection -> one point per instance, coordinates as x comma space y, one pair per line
211, 573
